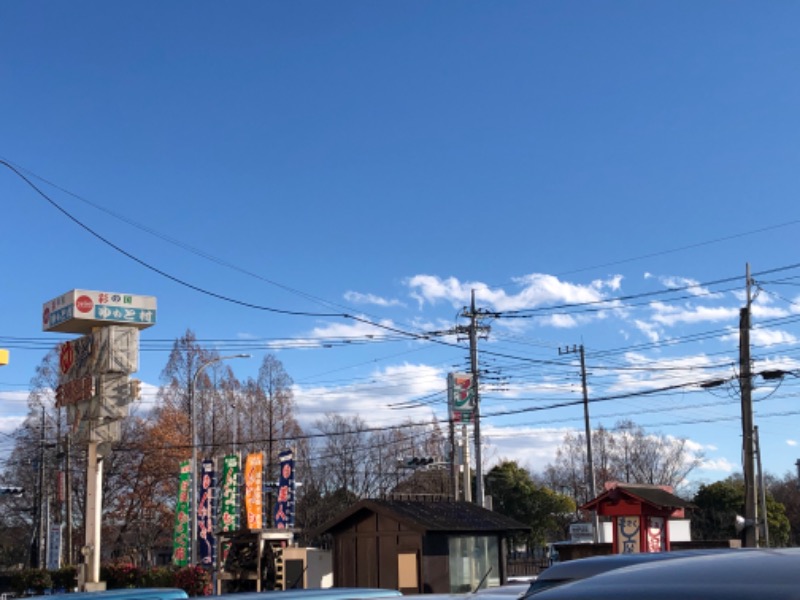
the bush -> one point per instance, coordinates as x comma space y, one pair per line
66, 578
31, 580
159, 577
195, 581
121, 575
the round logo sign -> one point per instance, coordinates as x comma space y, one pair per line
46, 316
84, 304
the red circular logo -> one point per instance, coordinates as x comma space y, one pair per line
46, 316
84, 304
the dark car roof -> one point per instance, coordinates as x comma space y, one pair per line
586, 567
763, 574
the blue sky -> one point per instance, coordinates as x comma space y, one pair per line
383, 160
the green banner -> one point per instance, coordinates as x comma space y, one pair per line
181, 537
229, 499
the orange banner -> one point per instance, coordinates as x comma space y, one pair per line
253, 477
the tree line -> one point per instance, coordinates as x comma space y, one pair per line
339, 460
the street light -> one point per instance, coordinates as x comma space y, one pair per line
192, 420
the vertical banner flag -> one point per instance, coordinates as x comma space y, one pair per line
229, 501
206, 548
181, 538
284, 507
461, 397
253, 490
55, 535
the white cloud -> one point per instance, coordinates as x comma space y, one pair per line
691, 286
722, 465
317, 337
537, 290
791, 442
771, 337
388, 397
669, 315
359, 298
531, 448
648, 329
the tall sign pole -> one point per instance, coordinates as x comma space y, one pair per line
94, 513
96, 391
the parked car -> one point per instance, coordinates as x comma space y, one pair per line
126, 594
581, 568
767, 574
332, 593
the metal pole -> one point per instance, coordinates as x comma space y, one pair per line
467, 483
761, 486
193, 435
235, 425
68, 493
453, 457
94, 509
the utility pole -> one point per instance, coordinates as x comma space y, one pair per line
590, 479
748, 453
472, 329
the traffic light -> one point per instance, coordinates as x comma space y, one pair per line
416, 462
10, 490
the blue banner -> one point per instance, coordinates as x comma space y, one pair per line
284, 507
206, 546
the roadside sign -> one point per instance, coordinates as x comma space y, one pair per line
461, 396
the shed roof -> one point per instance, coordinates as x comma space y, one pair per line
431, 516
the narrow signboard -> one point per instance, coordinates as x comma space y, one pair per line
253, 492
229, 500
181, 539
284, 506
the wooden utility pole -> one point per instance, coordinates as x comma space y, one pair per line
590, 478
473, 329
748, 451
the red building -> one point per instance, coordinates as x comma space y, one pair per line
640, 514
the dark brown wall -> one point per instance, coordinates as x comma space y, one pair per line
365, 554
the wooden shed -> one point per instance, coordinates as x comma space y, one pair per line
420, 546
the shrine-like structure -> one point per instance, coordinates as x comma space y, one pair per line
640, 515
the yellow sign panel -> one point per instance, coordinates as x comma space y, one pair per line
3, 357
